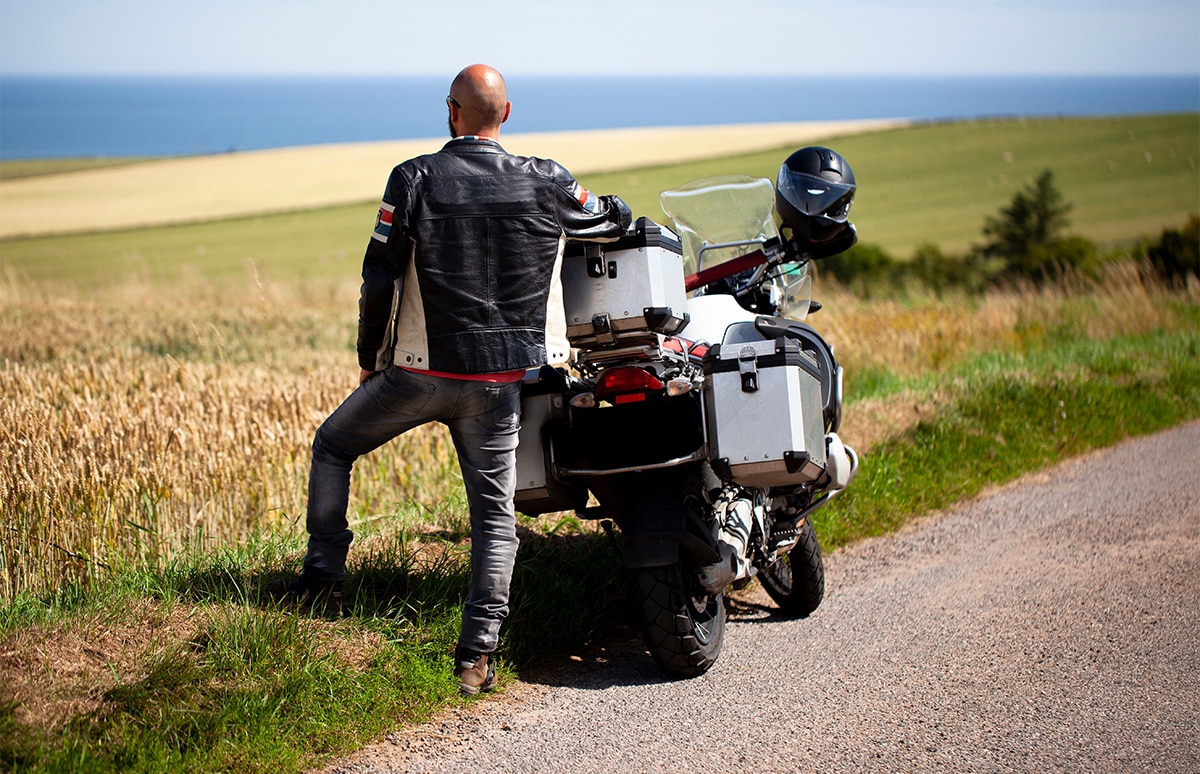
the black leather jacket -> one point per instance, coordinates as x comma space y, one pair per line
462, 272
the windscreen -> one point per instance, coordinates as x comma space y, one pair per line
734, 208
716, 210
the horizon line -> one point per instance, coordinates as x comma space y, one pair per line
592, 75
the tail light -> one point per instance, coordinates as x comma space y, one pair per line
628, 384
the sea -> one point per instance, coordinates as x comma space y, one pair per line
55, 117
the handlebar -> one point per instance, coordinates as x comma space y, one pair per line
722, 271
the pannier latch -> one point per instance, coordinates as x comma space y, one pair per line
595, 261
597, 269
602, 328
748, 368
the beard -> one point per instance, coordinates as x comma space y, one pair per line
450, 125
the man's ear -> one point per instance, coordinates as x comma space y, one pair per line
507, 110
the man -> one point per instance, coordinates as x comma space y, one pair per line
460, 295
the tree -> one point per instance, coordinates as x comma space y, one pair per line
940, 272
861, 268
1177, 253
1027, 231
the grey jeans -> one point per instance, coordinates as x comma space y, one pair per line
483, 419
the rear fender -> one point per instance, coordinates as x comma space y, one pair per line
660, 549
667, 517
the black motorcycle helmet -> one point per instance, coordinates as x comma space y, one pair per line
813, 194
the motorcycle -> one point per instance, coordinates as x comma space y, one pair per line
698, 417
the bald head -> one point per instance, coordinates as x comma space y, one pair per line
479, 102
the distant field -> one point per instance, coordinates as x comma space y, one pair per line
19, 169
58, 198
325, 243
1126, 177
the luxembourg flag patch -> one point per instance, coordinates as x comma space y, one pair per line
383, 223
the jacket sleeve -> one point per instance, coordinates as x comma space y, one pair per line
382, 278
586, 216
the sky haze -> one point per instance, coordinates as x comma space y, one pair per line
663, 37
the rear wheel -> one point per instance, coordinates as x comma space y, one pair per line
797, 581
683, 626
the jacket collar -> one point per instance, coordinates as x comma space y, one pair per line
471, 139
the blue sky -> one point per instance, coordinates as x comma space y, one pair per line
732, 37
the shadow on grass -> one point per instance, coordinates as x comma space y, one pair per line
572, 619
568, 590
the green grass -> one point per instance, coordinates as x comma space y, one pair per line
257, 689
290, 247
1017, 412
252, 690
935, 183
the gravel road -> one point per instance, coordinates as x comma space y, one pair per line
1052, 625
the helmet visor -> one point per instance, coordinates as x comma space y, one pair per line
813, 195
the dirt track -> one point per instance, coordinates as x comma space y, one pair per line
208, 187
1050, 626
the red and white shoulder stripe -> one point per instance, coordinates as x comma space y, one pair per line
383, 223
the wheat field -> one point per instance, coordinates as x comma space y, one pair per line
139, 424
133, 429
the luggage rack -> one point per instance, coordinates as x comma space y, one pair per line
590, 359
